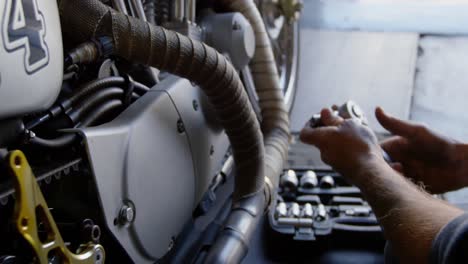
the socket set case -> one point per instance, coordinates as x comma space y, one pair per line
315, 203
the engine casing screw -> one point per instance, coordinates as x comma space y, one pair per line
126, 215
180, 126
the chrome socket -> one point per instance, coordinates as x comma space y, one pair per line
289, 180
327, 182
309, 180
307, 211
281, 210
294, 210
321, 213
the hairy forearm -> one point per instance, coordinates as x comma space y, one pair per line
410, 217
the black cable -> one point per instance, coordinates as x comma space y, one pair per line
94, 86
83, 93
85, 106
128, 91
90, 120
101, 111
140, 88
59, 142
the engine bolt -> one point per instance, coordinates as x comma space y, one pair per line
126, 215
99, 256
236, 26
180, 126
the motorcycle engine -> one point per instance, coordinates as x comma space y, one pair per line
124, 164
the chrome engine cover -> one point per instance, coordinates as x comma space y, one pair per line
32, 56
159, 157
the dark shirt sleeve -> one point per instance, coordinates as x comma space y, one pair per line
451, 244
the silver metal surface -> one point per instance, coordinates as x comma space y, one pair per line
126, 214
141, 157
309, 180
296, 222
190, 10
208, 141
281, 210
285, 43
307, 211
294, 210
178, 10
129, 158
231, 34
321, 213
351, 110
119, 5
327, 182
289, 180
137, 9
27, 86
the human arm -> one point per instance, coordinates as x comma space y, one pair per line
423, 155
410, 217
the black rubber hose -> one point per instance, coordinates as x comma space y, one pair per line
140, 88
86, 105
103, 110
55, 143
68, 139
83, 93
96, 85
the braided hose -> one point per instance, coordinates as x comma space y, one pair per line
275, 117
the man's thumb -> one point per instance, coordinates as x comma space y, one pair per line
394, 125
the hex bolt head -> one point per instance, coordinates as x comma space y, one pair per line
180, 126
236, 26
99, 256
127, 214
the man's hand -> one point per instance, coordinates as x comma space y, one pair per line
410, 218
346, 145
424, 156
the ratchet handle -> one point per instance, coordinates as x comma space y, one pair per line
349, 110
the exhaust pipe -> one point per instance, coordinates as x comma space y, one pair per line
141, 42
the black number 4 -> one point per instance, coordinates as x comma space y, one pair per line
23, 27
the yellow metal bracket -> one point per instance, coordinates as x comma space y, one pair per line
31, 207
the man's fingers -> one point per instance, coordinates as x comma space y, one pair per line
316, 136
395, 125
396, 147
397, 167
330, 119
